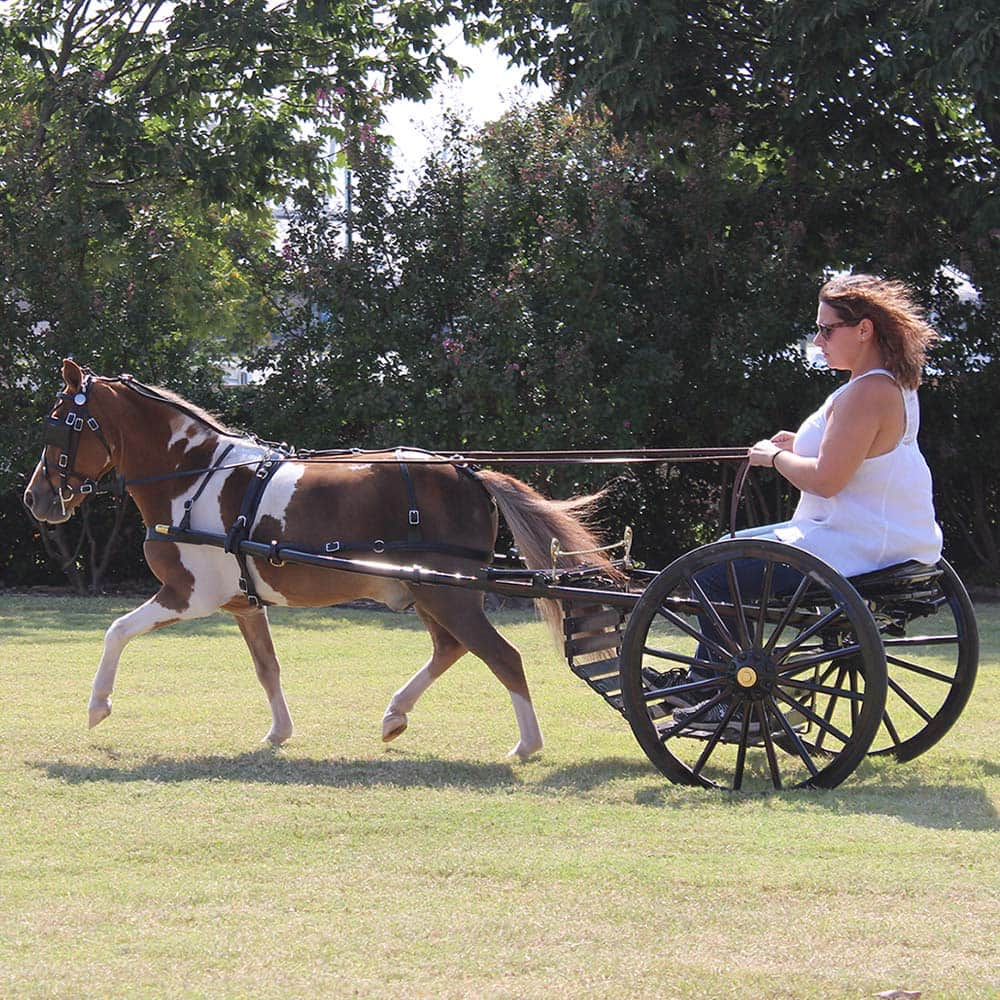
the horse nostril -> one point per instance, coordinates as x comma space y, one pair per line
29, 499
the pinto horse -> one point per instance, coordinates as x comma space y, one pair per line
182, 466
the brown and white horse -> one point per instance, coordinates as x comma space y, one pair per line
157, 443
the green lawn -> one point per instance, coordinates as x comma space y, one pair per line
166, 854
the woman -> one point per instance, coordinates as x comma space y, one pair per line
866, 498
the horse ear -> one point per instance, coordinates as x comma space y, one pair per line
72, 375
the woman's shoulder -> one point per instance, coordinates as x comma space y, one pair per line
876, 388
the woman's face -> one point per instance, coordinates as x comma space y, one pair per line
836, 337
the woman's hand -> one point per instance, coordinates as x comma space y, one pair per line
763, 452
784, 439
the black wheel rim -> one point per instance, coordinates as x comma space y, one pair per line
798, 679
931, 659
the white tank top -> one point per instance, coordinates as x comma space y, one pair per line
883, 516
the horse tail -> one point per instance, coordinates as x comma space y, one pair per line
534, 520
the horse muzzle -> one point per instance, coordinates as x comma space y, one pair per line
45, 505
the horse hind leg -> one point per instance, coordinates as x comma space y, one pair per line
462, 616
256, 632
447, 650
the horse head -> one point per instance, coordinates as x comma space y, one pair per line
75, 454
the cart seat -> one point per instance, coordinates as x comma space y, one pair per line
909, 579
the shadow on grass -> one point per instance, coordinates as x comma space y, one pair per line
272, 767
269, 767
872, 790
950, 807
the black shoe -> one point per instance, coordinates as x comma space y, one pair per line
658, 680
712, 719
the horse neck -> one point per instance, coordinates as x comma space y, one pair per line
152, 439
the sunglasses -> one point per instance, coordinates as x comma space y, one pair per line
825, 330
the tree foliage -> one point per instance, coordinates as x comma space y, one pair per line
636, 269
141, 144
892, 104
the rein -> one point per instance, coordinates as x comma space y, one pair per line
633, 456
64, 433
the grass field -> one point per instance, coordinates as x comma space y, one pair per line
166, 854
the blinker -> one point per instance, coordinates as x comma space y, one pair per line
57, 433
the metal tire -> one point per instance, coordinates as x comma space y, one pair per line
930, 681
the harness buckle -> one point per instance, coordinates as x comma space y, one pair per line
93, 424
78, 425
71, 419
378, 546
86, 488
414, 517
331, 547
63, 460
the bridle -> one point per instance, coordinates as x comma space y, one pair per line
65, 433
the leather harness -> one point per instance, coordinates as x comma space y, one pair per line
65, 433
242, 526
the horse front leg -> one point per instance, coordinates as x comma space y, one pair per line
155, 613
257, 633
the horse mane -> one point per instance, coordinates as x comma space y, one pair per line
190, 409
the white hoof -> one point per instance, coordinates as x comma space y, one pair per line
276, 739
98, 712
393, 725
525, 750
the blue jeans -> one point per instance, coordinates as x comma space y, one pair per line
714, 581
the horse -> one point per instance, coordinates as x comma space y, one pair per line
182, 465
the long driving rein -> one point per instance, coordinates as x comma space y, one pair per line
65, 433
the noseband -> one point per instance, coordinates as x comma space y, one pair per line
64, 433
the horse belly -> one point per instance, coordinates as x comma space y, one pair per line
299, 586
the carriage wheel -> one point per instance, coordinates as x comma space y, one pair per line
800, 675
931, 668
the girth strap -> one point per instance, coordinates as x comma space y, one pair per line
413, 514
240, 530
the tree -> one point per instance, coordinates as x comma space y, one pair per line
874, 130
141, 144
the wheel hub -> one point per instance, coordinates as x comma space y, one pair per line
752, 673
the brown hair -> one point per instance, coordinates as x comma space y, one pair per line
901, 332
